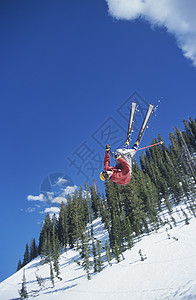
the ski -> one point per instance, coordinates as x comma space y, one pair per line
131, 119
146, 119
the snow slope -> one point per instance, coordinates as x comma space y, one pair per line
169, 272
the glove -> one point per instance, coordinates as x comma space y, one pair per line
108, 148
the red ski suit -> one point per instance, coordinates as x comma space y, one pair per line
121, 172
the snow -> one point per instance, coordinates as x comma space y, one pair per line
168, 272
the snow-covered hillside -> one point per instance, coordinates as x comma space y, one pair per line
168, 272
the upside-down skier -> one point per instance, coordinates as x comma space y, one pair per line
121, 173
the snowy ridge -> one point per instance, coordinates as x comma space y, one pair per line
168, 272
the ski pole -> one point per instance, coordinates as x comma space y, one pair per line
160, 143
112, 154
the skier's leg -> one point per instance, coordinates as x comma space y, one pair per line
126, 152
128, 155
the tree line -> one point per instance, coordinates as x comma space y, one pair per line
164, 177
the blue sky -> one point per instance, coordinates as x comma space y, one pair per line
69, 70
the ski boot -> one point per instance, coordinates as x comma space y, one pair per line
135, 146
126, 145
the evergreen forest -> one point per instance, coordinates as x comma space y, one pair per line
164, 178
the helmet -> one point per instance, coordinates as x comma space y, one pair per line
104, 176
101, 176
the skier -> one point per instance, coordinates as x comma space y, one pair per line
121, 173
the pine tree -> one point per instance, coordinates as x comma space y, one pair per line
26, 255
70, 223
95, 199
23, 292
116, 233
182, 163
78, 218
94, 251
87, 205
173, 220
84, 206
152, 205
108, 254
39, 279
55, 247
86, 260
189, 159
62, 226
51, 274
137, 216
19, 265
127, 232
116, 251
104, 212
99, 260
45, 240
186, 217
82, 248
142, 257
190, 136
33, 250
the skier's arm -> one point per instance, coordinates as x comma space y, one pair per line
107, 161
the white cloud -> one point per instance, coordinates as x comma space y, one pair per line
177, 16
50, 196
51, 210
61, 181
30, 209
41, 198
70, 190
59, 200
